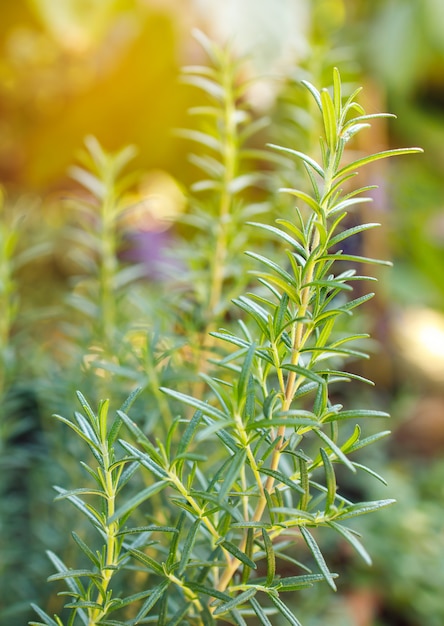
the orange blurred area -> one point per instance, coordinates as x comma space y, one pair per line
69, 69
109, 68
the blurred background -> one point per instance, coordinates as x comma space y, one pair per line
110, 68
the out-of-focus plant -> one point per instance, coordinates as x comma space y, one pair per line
402, 588
402, 52
97, 316
227, 194
21, 440
237, 493
8, 294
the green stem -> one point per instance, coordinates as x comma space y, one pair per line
218, 264
111, 530
299, 337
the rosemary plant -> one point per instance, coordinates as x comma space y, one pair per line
96, 318
22, 444
237, 494
102, 277
221, 200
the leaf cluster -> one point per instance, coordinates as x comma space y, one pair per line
239, 486
230, 173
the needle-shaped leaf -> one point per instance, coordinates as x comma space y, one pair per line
141, 496
274, 267
290, 421
204, 139
74, 584
278, 232
147, 561
140, 436
337, 93
271, 559
89, 181
86, 549
335, 448
89, 511
318, 556
86, 407
236, 552
361, 508
188, 547
314, 92
329, 119
303, 157
260, 613
284, 610
84, 431
238, 600
352, 539
356, 414
375, 157
209, 86
330, 480
245, 374
309, 200
249, 547
48, 620
190, 432
361, 443
293, 583
232, 471
198, 404
145, 460
280, 477
156, 593
349, 232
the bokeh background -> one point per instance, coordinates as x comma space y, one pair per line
71, 68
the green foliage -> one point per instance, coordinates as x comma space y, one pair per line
8, 292
225, 196
22, 445
246, 473
98, 294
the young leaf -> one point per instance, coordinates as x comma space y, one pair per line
234, 550
145, 459
189, 433
188, 546
293, 583
245, 374
300, 155
330, 480
329, 119
147, 561
361, 508
260, 613
232, 471
86, 549
242, 598
351, 538
133, 503
271, 559
318, 557
284, 610
375, 157
206, 409
48, 620
156, 593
